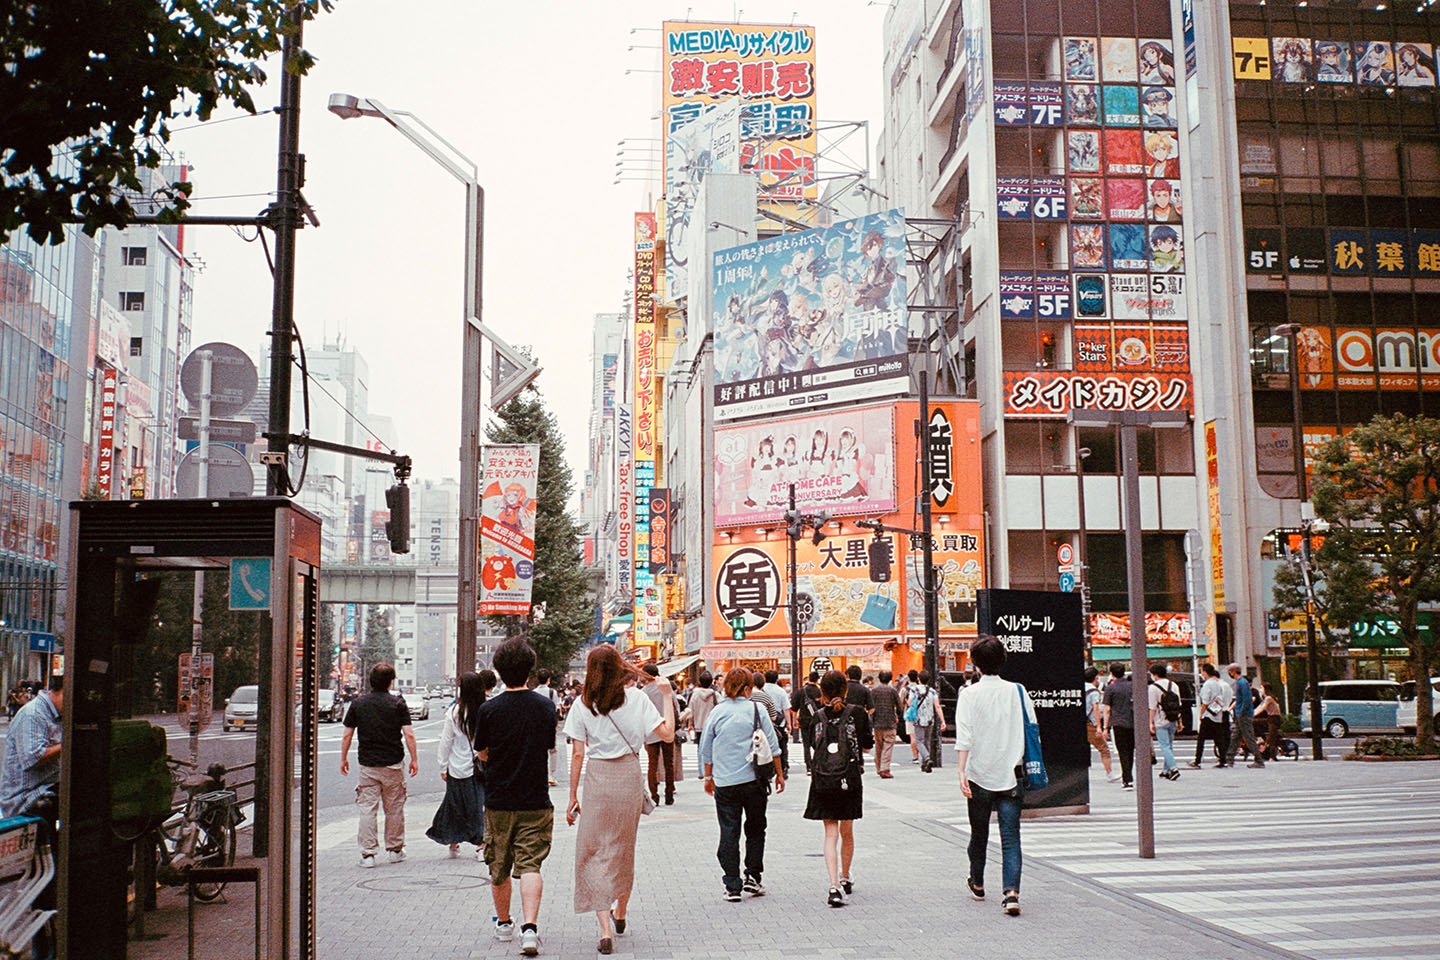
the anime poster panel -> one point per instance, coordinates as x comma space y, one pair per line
1087, 198
1080, 59
1128, 247
1122, 106
770, 68
1374, 63
1157, 107
1118, 60
708, 144
832, 586
1157, 63
1332, 62
508, 477
1124, 153
1291, 60
841, 462
1082, 151
1082, 104
812, 318
1414, 65
1125, 198
961, 576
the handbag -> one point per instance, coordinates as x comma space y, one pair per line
760, 753
647, 806
1033, 764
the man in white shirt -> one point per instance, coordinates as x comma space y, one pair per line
989, 747
1215, 697
542, 687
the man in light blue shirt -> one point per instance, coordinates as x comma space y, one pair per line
725, 757
30, 778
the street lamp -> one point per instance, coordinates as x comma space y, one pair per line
522, 371
1129, 421
1291, 331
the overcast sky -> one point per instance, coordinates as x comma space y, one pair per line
537, 95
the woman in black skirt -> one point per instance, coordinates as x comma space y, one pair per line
461, 817
841, 734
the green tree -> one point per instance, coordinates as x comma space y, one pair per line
100, 81
325, 641
1378, 489
378, 642
559, 583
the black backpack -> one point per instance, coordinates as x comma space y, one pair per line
830, 770
810, 708
1169, 702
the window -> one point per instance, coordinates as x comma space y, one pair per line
137, 346
132, 300
133, 256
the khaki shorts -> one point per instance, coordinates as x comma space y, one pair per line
516, 841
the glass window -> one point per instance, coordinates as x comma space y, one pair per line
1022, 446
133, 256
132, 300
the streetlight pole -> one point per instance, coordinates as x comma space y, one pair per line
1129, 421
285, 221
1291, 331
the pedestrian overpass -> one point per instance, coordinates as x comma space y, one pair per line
367, 584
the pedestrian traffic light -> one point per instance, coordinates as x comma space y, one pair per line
397, 528
879, 551
737, 628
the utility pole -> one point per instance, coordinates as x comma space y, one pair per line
794, 599
285, 221
927, 553
207, 367
467, 599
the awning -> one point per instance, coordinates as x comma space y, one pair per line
672, 667
618, 627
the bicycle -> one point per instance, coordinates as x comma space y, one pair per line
201, 833
27, 866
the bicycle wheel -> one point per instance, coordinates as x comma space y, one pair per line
214, 847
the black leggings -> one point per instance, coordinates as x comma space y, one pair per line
1217, 730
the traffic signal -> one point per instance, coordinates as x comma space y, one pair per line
820, 519
737, 628
879, 551
794, 526
397, 528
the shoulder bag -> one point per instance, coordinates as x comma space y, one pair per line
647, 806
1033, 764
760, 753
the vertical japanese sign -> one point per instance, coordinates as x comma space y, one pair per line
1212, 477
659, 530
509, 473
708, 144
624, 497
646, 405
771, 69
104, 468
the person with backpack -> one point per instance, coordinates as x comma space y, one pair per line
990, 721
841, 736
727, 752
925, 717
1164, 716
805, 706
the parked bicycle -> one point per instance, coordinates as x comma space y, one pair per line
26, 868
200, 833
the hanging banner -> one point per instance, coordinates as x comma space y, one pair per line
624, 498
1212, 484
508, 476
659, 530
842, 462
812, 319
708, 144
770, 69
647, 409
105, 464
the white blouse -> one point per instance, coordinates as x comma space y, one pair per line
618, 733
456, 756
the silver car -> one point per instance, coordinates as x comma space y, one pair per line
242, 709
418, 705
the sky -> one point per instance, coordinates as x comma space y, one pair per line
537, 95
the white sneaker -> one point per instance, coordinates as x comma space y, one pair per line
480, 854
1112, 777
529, 943
367, 860
397, 856
455, 852
504, 932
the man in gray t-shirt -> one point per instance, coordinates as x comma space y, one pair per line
884, 719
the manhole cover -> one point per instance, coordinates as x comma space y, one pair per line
445, 881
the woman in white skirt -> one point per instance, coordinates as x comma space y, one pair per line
607, 731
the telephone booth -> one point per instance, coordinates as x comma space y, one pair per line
116, 548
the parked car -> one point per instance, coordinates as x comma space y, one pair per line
1359, 706
331, 708
419, 706
242, 709
1407, 703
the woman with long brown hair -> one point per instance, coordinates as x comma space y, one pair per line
607, 731
461, 817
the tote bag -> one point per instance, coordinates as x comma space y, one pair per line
1033, 764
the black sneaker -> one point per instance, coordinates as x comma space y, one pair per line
976, 891
732, 896
752, 886
846, 886
1011, 903
836, 898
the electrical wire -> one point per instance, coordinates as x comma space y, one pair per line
305, 402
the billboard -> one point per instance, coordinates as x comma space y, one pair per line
624, 498
1052, 394
770, 69
842, 462
708, 144
508, 476
960, 569
1363, 358
812, 318
105, 464
647, 409
659, 530
1161, 629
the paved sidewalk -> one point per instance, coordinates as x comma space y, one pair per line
909, 899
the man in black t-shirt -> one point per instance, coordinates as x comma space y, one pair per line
383, 721
514, 733
805, 707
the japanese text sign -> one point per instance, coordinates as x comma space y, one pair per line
508, 476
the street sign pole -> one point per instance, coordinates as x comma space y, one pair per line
207, 367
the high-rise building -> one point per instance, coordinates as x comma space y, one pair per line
608, 361
1049, 134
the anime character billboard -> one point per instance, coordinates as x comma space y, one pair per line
708, 144
812, 318
508, 475
842, 462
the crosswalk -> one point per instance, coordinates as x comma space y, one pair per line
1316, 866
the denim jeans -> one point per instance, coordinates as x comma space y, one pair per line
1165, 736
749, 800
1006, 805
